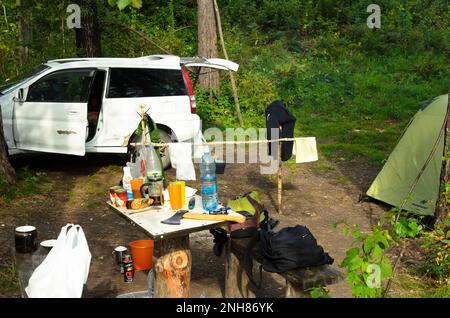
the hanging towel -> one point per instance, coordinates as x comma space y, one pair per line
181, 159
305, 149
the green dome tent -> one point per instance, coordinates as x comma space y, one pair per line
404, 164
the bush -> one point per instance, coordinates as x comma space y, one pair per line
437, 253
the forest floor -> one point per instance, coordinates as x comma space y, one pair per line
75, 190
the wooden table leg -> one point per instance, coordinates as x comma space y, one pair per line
173, 268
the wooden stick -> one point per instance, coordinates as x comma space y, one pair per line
144, 135
227, 142
280, 181
233, 83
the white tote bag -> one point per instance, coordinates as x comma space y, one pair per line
65, 270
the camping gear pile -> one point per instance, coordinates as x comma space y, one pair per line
247, 212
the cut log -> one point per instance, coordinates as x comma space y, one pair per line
236, 280
173, 268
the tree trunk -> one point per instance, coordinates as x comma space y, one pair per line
442, 208
6, 169
207, 42
23, 32
88, 39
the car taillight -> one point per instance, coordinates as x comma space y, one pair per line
190, 89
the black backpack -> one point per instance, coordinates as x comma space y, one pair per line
288, 249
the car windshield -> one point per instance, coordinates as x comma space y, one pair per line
10, 84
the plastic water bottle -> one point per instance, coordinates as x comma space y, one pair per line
126, 181
153, 163
209, 183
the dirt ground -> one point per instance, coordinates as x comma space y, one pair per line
316, 195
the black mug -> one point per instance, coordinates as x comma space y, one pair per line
26, 239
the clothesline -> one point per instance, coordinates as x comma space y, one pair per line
227, 142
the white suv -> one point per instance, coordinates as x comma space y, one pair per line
74, 106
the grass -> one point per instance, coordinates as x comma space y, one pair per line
9, 282
343, 180
113, 169
322, 166
408, 285
93, 204
29, 183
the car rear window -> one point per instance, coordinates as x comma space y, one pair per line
141, 82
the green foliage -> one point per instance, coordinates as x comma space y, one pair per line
122, 4
437, 258
29, 183
319, 292
353, 88
366, 263
404, 225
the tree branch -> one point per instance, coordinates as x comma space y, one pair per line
139, 33
4, 13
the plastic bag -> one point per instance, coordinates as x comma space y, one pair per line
181, 159
199, 150
65, 270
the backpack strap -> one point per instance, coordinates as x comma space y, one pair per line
248, 260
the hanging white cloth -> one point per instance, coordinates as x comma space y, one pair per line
181, 159
305, 150
200, 150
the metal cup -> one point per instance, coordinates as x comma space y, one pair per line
118, 255
26, 239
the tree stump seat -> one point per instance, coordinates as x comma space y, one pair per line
298, 281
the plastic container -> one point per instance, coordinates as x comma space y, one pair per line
153, 162
142, 254
126, 180
209, 183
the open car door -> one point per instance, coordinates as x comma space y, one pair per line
52, 117
216, 63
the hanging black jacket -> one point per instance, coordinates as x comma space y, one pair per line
278, 116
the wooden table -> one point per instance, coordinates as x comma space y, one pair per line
173, 268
